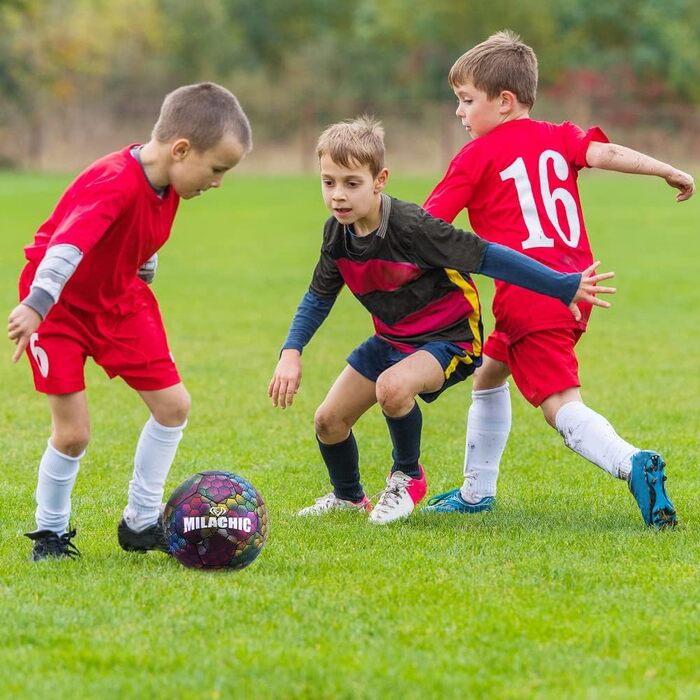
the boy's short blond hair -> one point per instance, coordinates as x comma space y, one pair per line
203, 113
351, 142
502, 62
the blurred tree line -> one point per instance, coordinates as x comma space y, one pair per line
289, 59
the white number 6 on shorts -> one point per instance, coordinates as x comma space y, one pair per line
39, 355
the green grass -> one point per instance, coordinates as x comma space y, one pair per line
559, 593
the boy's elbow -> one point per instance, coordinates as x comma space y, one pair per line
607, 156
597, 154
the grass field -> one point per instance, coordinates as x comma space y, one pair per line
559, 593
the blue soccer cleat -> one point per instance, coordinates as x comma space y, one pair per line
646, 483
452, 502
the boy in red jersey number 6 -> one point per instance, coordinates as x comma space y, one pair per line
84, 293
517, 179
411, 272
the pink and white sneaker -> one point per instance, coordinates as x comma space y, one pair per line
399, 498
331, 502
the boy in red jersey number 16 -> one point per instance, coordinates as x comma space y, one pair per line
517, 179
84, 293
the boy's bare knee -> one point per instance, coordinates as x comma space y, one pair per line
550, 415
175, 410
490, 375
329, 427
551, 405
323, 423
70, 441
182, 408
391, 395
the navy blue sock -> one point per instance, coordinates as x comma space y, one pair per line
405, 437
343, 463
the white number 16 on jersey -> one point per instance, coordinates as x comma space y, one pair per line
538, 239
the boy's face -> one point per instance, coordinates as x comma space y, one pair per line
193, 172
351, 194
477, 112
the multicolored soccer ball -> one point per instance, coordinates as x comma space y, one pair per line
216, 520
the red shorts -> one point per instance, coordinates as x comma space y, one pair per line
132, 346
542, 363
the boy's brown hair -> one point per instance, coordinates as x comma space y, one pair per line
351, 142
502, 62
202, 113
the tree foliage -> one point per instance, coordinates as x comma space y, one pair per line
284, 56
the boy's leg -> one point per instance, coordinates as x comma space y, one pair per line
556, 388
397, 387
154, 456
137, 350
59, 465
58, 471
351, 395
488, 428
590, 435
545, 369
56, 354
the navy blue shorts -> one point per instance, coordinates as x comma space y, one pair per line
376, 355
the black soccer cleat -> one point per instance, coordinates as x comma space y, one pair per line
148, 540
48, 544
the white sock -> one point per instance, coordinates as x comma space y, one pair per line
488, 427
589, 434
155, 453
57, 474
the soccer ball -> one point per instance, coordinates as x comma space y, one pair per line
215, 520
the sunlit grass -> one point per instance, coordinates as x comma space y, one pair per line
559, 593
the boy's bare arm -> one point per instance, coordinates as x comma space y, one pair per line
611, 156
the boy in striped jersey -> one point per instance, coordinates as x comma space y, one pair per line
411, 272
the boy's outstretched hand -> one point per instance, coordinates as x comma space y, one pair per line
683, 182
286, 379
21, 323
588, 288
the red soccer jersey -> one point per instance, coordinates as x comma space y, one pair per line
113, 215
518, 184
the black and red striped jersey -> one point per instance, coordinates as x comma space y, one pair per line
411, 274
